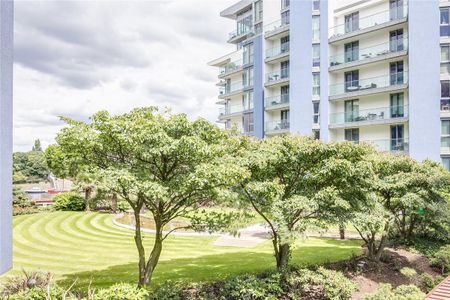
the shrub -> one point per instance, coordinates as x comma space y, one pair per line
123, 206
402, 292
167, 291
69, 201
53, 292
28, 280
428, 282
441, 259
252, 288
121, 291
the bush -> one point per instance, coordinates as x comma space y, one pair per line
252, 288
28, 280
408, 272
428, 282
123, 206
441, 259
167, 291
69, 201
402, 292
121, 291
54, 292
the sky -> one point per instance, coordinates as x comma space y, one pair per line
73, 59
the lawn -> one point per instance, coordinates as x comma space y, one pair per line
89, 247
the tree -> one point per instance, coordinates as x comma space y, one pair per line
29, 166
405, 193
37, 146
296, 182
161, 162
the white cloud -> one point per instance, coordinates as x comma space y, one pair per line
75, 58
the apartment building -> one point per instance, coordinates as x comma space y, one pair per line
358, 70
6, 78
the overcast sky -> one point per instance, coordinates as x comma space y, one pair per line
75, 58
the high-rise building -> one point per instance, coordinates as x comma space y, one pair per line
364, 71
6, 78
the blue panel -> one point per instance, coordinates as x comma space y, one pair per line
424, 80
300, 90
258, 86
324, 63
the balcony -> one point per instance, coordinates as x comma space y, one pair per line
232, 110
368, 55
373, 116
276, 127
277, 77
277, 53
230, 89
231, 68
275, 29
445, 144
368, 86
370, 23
237, 36
276, 102
400, 146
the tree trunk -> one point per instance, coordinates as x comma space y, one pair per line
139, 245
283, 256
114, 202
342, 232
87, 198
154, 256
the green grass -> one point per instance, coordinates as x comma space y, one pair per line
89, 247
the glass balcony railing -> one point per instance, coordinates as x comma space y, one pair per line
373, 114
241, 32
445, 105
276, 100
369, 83
369, 52
275, 25
370, 21
445, 142
276, 125
277, 75
231, 88
272, 52
232, 109
231, 67
400, 145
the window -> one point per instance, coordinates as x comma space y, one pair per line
445, 89
258, 11
316, 28
352, 135
397, 135
446, 162
285, 4
396, 72
352, 22
284, 94
247, 53
351, 51
284, 115
396, 40
445, 134
445, 59
396, 9
258, 28
316, 55
284, 44
316, 84
316, 4
284, 69
351, 110
247, 100
316, 113
316, 134
247, 121
397, 106
285, 18
244, 25
445, 25
247, 77
351, 80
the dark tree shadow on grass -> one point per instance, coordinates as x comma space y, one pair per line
212, 267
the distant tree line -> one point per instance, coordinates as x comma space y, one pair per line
30, 166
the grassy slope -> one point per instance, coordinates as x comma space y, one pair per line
88, 247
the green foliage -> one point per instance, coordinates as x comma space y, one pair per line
402, 292
251, 287
167, 291
441, 259
52, 292
408, 272
123, 206
29, 167
69, 201
121, 291
428, 282
27, 280
37, 146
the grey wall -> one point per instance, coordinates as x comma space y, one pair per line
6, 59
300, 89
424, 80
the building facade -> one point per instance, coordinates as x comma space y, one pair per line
6, 79
374, 71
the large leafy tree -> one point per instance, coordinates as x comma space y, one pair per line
31, 165
406, 195
297, 181
162, 162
